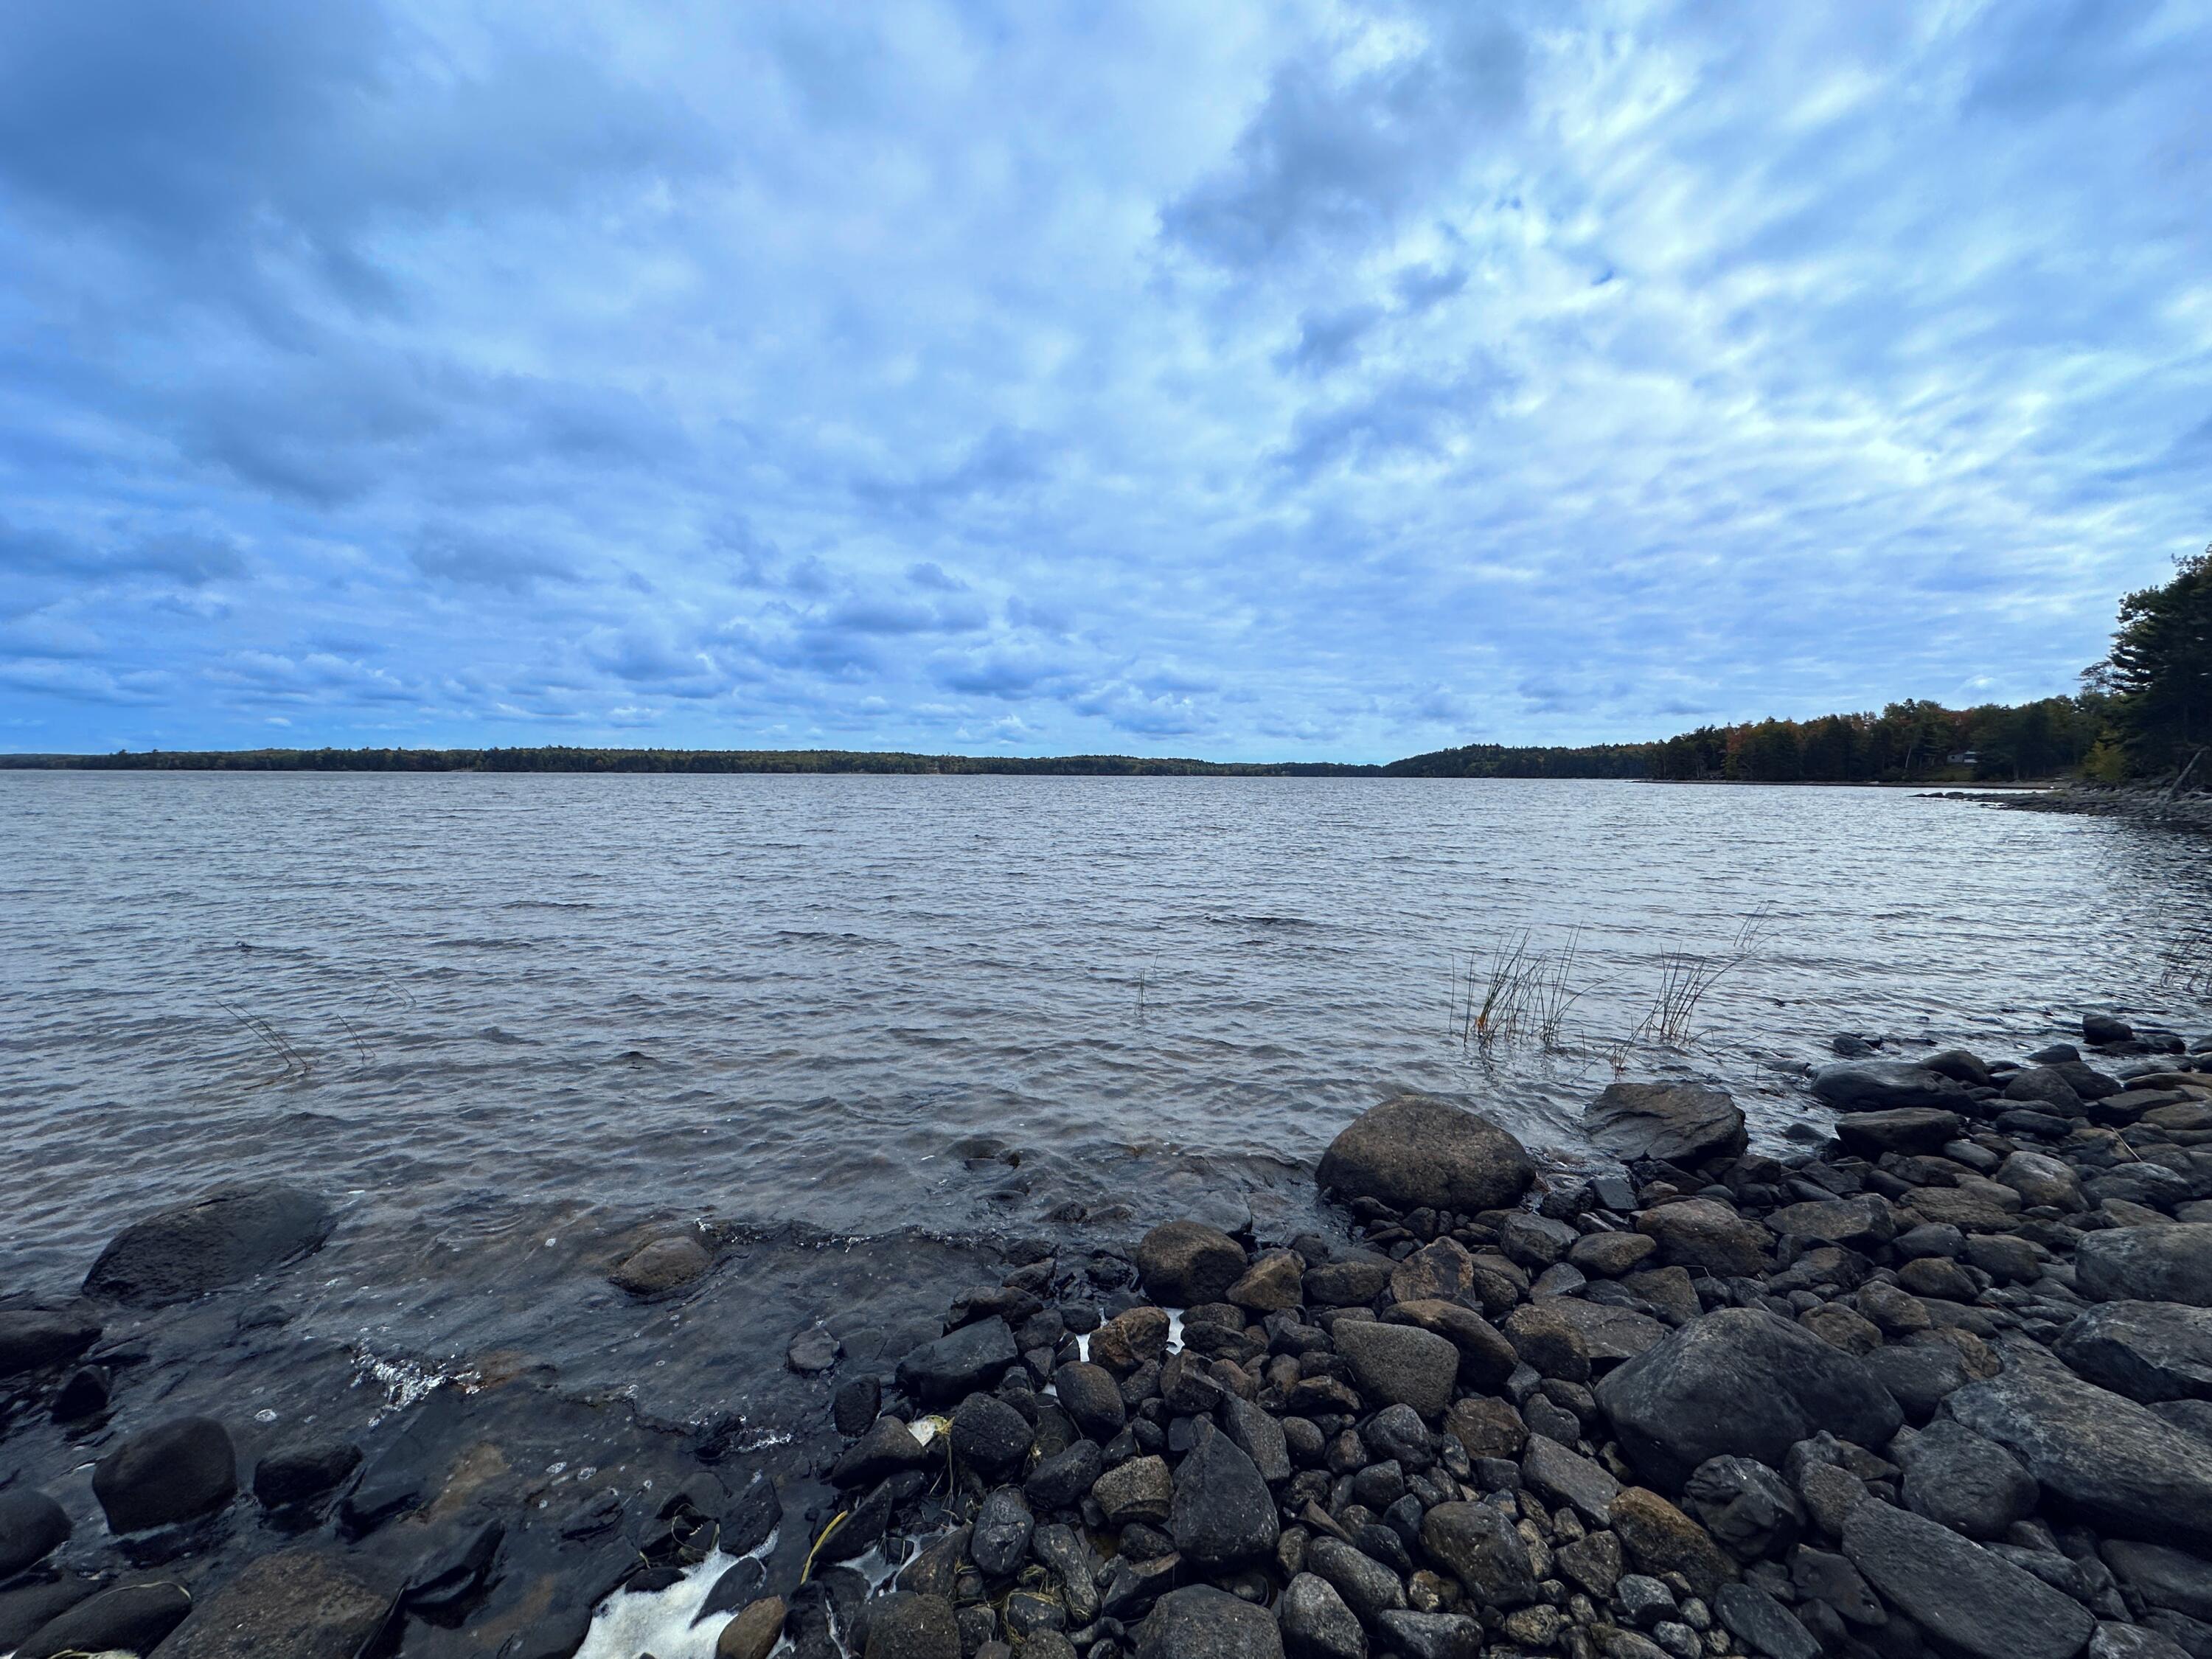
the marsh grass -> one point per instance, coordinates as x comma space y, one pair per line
295, 1064
1687, 978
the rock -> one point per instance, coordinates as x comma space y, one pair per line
2116, 1464
298, 1473
1129, 1340
1415, 1152
233, 1234
305, 1603
1865, 1086
1920, 1373
1139, 1490
1487, 1427
1547, 1342
1184, 1263
2147, 1351
2097, 1029
1682, 1123
2039, 1178
888, 1447
754, 1633
1561, 1475
33, 1338
2163, 1577
1972, 1601
180, 1469
990, 1435
1660, 1538
1439, 1271
2170, 1263
129, 1618
1201, 1622
1272, 1284
1900, 1129
1746, 1506
1608, 1255
1258, 1435
1608, 1334
1400, 1364
662, 1266
1001, 1536
856, 1405
1743, 1382
1221, 1515
1347, 1283
2118, 1641
26, 1608
1433, 1635
1763, 1624
1705, 1233
957, 1365
1478, 1546
1368, 1588
906, 1625
1091, 1398
1960, 1067
1486, 1358
1593, 1561
30, 1526
1060, 1482
1957, 1480
1316, 1623
812, 1351
1859, 1222
2044, 1086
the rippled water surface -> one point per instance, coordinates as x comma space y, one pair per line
487, 1008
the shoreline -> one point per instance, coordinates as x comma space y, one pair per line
1461, 1415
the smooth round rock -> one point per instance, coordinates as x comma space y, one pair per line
1415, 1152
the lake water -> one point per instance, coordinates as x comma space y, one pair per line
509, 1017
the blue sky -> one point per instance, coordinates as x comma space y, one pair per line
1248, 380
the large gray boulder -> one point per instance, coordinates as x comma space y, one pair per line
2147, 1351
1877, 1085
2118, 1465
2148, 1264
1674, 1123
1740, 1383
1415, 1152
1974, 1602
234, 1233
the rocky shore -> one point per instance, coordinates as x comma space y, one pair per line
1937, 1381
2187, 809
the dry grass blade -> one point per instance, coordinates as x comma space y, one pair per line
271, 1038
1687, 978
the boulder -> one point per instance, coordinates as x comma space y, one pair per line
304, 1471
1859, 1222
1002, 1534
2165, 1263
1272, 1284
33, 1338
1957, 1480
1608, 1334
754, 1633
1705, 1233
2163, 1577
1222, 1515
1368, 1587
2147, 1351
990, 1435
1763, 1624
1740, 1383
1400, 1364
2118, 1465
1560, 1475
1201, 1622
1439, 1271
1478, 1546
954, 1366
1091, 1398
231, 1235
1885, 1086
1681, 1123
1906, 1129
1316, 1623
1746, 1506
907, 1626
1662, 1538
1486, 1358
31, 1525
1184, 1263
178, 1470
1415, 1152
2039, 1178
663, 1265
1973, 1601
129, 1618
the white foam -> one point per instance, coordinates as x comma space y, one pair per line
659, 1622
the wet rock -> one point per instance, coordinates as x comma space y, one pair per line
1272, 1284
1865, 1087
1059, 1482
1486, 1358
1487, 1427
1478, 1546
1859, 1222
1608, 1255
904, 1625
1746, 1506
1201, 1622
1433, 1635
301, 1473
1973, 1601
1130, 1339
755, 1631
1258, 1435
1439, 1271
990, 1435
1368, 1588
1316, 1623
1680, 1123
180, 1469
1139, 1490
2118, 1465
856, 1405
1562, 1475
1763, 1624
30, 1526
1415, 1152
129, 1618
404, 1472
233, 1233
888, 1447
1660, 1538
957, 1364
1957, 1480
1400, 1364
2148, 1351
1221, 1515
1743, 1382
33, 1338
1704, 1233
812, 1351
1960, 1067
748, 1519
454, 1567
1183, 1263
2170, 1263
1001, 1536
661, 1266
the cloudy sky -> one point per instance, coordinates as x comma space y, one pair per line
1243, 379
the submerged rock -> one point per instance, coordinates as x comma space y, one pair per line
172, 1472
32, 1339
175, 1255
129, 1618
1883, 1085
31, 1525
1415, 1152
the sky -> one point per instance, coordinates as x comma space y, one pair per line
1249, 380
